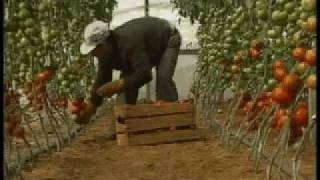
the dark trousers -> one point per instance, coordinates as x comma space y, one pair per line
165, 86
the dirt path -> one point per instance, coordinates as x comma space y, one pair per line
93, 157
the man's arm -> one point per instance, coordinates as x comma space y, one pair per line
104, 75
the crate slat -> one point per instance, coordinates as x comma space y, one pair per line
164, 137
145, 110
149, 123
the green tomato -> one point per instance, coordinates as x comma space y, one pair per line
64, 70
228, 40
260, 66
233, 88
24, 14
273, 33
247, 70
228, 32
22, 74
304, 16
265, 87
239, 9
281, 2
293, 17
228, 75
30, 31
300, 23
290, 6
60, 76
24, 42
234, 26
279, 17
245, 43
226, 46
261, 5
29, 23
272, 82
262, 14
65, 83
22, 5
309, 5
298, 9
23, 67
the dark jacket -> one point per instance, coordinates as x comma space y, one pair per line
139, 45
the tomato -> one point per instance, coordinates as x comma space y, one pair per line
281, 2
302, 67
300, 23
308, 5
260, 105
291, 82
310, 57
297, 131
278, 64
247, 70
279, 117
44, 75
261, 5
289, 7
235, 69
11, 126
260, 66
279, 17
262, 14
300, 116
279, 74
77, 103
243, 54
311, 25
29, 22
298, 36
256, 44
273, 33
30, 31
237, 59
24, 13
304, 16
293, 17
272, 82
255, 54
311, 81
8, 98
248, 107
281, 95
160, 103
266, 87
22, 5
19, 133
76, 110
298, 54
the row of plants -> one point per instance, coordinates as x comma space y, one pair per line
264, 51
44, 72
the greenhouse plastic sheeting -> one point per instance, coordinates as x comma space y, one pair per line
126, 11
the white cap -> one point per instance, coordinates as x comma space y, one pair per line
95, 33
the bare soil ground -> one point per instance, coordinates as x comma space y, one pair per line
92, 156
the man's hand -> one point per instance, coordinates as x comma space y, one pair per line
83, 114
111, 88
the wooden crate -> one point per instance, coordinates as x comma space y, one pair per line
147, 124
